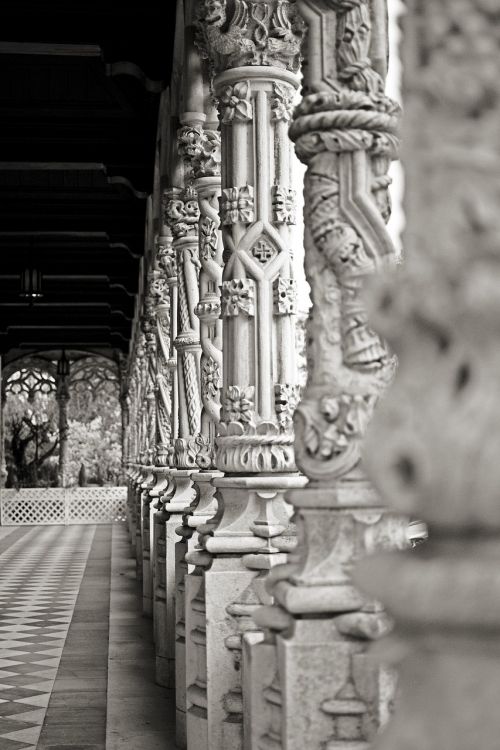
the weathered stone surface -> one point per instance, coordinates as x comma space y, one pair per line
433, 444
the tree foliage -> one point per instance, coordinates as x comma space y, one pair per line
32, 439
94, 437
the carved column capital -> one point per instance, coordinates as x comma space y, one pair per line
253, 32
200, 148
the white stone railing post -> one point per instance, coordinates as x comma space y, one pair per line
253, 53
433, 446
322, 688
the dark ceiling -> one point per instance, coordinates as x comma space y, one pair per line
79, 96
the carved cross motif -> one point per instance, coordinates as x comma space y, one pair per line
238, 295
263, 251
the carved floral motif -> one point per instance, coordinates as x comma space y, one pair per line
210, 378
285, 296
159, 289
238, 296
236, 103
237, 204
335, 421
282, 102
238, 404
185, 453
208, 238
286, 398
284, 204
200, 147
183, 214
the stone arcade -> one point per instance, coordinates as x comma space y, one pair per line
268, 534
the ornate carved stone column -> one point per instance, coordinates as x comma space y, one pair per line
3, 465
148, 325
433, 446
165, 289
253, 50
183, 217
323, 690
199, 144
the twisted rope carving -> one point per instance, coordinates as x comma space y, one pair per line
192, 392
184, 316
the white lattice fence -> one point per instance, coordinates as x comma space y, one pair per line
62, 506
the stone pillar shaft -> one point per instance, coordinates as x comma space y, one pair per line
253, 52
433, 443
345, 132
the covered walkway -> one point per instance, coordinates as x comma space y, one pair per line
76, 657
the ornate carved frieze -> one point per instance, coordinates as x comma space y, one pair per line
250, 32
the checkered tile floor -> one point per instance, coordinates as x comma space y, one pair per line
40, 576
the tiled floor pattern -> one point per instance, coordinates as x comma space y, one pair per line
140, 715
40, 576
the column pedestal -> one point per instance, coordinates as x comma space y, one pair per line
252, 511
180, 495
201, 511
147, 567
